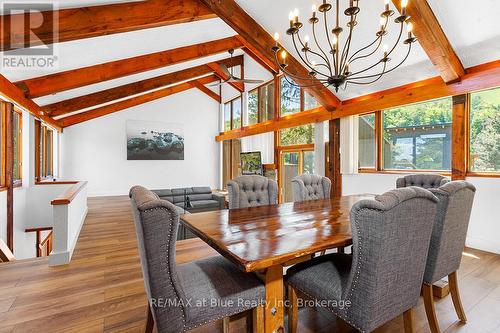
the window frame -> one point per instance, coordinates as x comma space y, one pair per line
379, 132
42, 163
468, 112
257, 89
230, 102
302, 98
19, 152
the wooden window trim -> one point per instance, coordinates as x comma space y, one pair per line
42, 162
230, 102
379, 154
469, 172
19, 152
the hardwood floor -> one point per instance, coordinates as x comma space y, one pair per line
101, 290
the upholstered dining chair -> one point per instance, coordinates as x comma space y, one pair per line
425, 180
180, 295
310, 187
447, 244
251, 191
383, 277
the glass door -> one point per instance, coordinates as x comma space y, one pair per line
292, 164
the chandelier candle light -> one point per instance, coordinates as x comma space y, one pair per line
331, 65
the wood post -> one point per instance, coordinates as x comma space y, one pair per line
8, 113
333, 171
459, 137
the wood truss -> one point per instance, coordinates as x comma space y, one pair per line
86, 22
79, 23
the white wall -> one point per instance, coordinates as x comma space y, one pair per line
261, 142
95, 150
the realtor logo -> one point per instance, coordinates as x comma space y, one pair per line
29, 36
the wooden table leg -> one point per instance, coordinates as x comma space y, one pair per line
274, 312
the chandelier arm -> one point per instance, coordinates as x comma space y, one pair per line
379, 39
388, 71
303, 86
300, 55
295, 76
373, 81
315, 53
330, 42
320, 48
366, 69
381, 60
399, 38
317, 65
347, 45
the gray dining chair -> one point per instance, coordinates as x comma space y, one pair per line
251, 191
447, 244
424, 180
310, 187
383, 277
180, 295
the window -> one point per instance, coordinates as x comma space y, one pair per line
232, 114
227, 116
18, 144
309, 101
418, 137
266, 102
253, 107
236, 109
295, 99
44, 151
299, 135
261, 104
290, 97
484, 131
231, 166
367, 145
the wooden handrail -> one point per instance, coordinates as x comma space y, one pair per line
35, 229
56, 182
40, 244
6, 254
69, 195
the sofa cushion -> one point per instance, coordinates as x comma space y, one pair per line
182, 191
204, 196
205, 204
202, 190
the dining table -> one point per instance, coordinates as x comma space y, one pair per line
266, 239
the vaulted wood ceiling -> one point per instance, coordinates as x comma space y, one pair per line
96, 21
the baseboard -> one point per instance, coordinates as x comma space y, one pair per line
483, 244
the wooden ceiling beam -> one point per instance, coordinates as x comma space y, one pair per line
198, 84
478, 78
433, 40
108, 95
240, 86
54, 83
16, 96
262, 41
128, 103
78, 23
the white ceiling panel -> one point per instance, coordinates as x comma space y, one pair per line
472, 28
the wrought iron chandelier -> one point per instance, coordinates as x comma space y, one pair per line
332, 65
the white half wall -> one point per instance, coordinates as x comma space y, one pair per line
95, 150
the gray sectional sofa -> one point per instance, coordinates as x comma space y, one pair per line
201, 199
